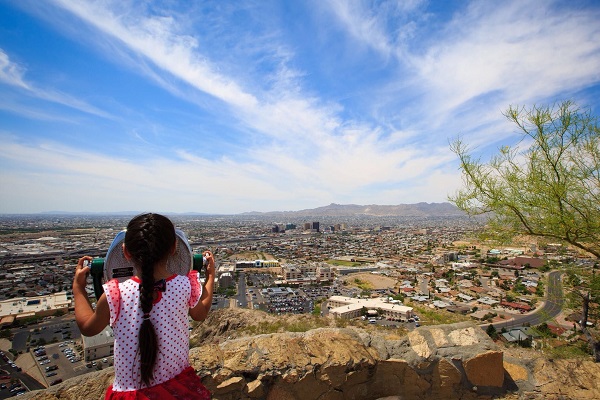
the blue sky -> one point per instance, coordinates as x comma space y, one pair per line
233, 106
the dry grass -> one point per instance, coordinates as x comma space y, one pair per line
372, 281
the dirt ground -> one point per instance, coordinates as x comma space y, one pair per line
31, 367
377, 281
5, 345
25, 361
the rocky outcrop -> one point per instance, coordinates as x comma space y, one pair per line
441, 362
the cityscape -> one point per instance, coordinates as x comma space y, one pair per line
391, 272
481, 118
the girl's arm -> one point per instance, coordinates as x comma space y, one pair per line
200, 311
90, 322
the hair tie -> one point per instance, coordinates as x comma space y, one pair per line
146, 316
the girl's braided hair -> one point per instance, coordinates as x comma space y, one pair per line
149, 240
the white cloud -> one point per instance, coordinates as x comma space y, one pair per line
11, 73
300, 147
364, 24
283, 114
506, 50
157, 38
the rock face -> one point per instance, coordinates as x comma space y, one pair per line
440, 362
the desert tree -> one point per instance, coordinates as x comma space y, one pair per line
546, 186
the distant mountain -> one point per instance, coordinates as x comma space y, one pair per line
400, 210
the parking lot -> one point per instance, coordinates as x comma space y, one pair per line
61, 361
52, 330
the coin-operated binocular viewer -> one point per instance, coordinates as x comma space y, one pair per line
115, 265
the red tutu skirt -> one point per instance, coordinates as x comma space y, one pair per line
186, 385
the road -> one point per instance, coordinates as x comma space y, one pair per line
241, 294
551, 308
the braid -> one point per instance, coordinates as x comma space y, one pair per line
149, 238
148, 343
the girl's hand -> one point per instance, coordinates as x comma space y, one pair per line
82, 272
210, 267
90, 321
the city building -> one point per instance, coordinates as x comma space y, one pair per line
520, 263
350, 307
40, 306
240, 265
99, 346
315, 227
306, 273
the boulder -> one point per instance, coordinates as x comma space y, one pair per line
442, 362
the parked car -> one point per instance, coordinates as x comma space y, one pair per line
49, 374
55, 382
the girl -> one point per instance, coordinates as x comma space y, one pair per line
149, 315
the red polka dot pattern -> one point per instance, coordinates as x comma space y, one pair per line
169, 316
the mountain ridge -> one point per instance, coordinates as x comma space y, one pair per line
421, 209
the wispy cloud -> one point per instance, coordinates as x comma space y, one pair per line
488, 56
290, 118
508, 52
13, 74
10, 72
229, 105
93, 178
158, 39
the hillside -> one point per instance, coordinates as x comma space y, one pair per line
246, 354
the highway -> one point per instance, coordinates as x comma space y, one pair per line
551, 308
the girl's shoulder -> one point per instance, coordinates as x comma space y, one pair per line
193, 275
112, 292
196, 286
